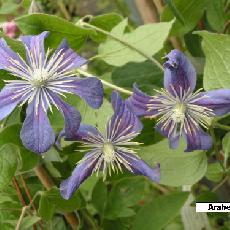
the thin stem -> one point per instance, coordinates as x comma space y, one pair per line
29, 196
220, 184
63, 9
112, 86
18, 190
224, 127
27, 191
48, 183
21, 217
124, 43
161, 188
24, 209
216, 148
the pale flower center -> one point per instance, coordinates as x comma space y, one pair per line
108, 152
178, 114
40, 77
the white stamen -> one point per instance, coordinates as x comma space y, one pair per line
178, 111
41, 75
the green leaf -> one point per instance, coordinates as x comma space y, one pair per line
145, 74
105, 22
58, 27
214, 172
99, 196
46, 209
215, 14
8, 164
190, 10
11, 134
173, 8
177, 167
159, 212
15, 45
217, 67
126, 193
148, 39
54, 198
8, 7
29, 221
14, 117
95, 117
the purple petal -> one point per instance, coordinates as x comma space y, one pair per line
173, 136
124, 123
139, 103
71, 60
71, 115
8, 102
88, 133
217, 100
37, 133
196, 138
35, 47
9, 59
79, 175
179, 73
90, 89
85, 133
139, 167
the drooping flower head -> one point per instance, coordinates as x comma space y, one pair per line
180, 111
43, 79
110, 152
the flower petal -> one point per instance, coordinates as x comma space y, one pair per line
217, 100
143, 104
139, 167
139, 103
124, 124
90, 89
88, 133
37, 133
172, 135
35, 48
11, 61
71, 115
179, 73
196, 138
8, 101
83, 170
71, 60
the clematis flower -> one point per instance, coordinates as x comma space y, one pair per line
43, 79
181, 111
110, 152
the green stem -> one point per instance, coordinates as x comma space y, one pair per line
216, 148
89, 220
112, 86
224, 127
220, 184
124, 43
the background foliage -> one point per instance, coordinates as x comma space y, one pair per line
121, 39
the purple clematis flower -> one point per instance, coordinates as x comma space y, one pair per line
110, 151
43, 79
181, 111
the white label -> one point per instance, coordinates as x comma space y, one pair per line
213, 207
